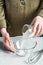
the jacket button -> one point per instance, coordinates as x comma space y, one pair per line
22, 2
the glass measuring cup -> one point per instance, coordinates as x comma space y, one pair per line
27, 31
24, 46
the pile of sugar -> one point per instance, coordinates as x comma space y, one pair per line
19, 52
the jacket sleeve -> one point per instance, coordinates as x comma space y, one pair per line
2, 16
40, 11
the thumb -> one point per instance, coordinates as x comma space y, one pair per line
7, 36
7, 45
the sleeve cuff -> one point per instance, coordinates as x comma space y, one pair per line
3, 24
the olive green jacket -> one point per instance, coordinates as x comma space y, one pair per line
18, 13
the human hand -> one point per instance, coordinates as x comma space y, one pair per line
6, 39
37, 24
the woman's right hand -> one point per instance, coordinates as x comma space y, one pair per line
6, 39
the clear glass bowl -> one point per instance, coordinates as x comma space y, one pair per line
24, 46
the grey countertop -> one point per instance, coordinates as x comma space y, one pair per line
9, 58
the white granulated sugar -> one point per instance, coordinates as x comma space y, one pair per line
11, 43
28, 33
20, 53
17, 45
30, 30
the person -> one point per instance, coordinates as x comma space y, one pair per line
16, 13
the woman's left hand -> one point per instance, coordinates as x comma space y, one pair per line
37, 24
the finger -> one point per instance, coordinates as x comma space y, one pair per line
40, 33
7, 36
39, 30
7, 45
35, 28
